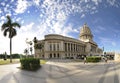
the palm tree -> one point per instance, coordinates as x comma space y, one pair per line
9, 27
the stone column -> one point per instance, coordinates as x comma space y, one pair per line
67, 46
75, 47
70, 47
51, 46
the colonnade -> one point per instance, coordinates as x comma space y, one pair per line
73, 47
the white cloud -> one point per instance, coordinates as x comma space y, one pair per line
4, 43
7, 5
113, 43
53, 16
83, 15
67, 29
0, 11
76, 30
12, 0
18, 19
5, 9
27, 27
99, 29
86, 1
93, 12
3, 18
36, 2
3, 4
21, 6
95, 1
94, 8
107, 41
114, 3
8, 13
22, 21
57, 27
28, 12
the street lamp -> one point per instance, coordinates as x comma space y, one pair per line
35, 45
26, 52
31, 47
27, 42
104, 54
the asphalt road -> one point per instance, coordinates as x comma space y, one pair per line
63, 72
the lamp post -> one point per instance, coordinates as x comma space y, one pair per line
104, 54
35, 41
31, 47
27, 49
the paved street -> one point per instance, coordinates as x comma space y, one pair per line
63, 72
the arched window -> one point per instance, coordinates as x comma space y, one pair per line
42, 56
54, 55
50, 56
65, 46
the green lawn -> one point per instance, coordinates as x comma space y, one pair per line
43, 61
3, 62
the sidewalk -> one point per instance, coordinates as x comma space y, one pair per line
57, 72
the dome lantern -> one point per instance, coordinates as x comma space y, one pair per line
85, 33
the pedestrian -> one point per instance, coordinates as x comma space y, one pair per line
106, 59
85, 60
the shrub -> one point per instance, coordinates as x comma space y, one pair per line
30, 63
93, 59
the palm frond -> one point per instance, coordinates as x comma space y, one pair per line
12, 33
4, 26
9, 19
15, 24
5, 31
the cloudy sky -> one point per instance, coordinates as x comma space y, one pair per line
65, 17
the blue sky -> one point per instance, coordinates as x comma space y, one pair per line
65, 17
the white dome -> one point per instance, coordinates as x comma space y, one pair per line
85, 33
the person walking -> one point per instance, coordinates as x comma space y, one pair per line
85, 60
106, 59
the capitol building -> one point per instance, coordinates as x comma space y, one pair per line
58, 46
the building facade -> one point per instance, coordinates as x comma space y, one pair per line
58, 46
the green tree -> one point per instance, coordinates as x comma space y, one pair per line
9, 27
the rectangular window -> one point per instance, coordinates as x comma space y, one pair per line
58, 46
54, 47
50, 47
65, 44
